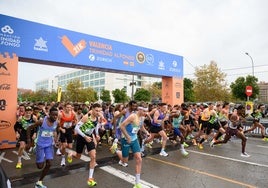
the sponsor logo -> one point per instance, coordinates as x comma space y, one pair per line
4, 124
3, 65
3, 104
161, 65
174, 67
74, 49
5, 86
150, 59
7, 38
40, 45
140, 57
7, 29
91, 57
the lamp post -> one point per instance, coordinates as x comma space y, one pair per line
251, 62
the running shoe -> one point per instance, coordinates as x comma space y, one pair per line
265, 139
163, 153
185, 145
91, 182
62, 163
19, 165
200, 146
245, 154
122, 163
70, 157
184, 153
113, 148
148, 145
212, 143
40, 184
137, 185
58, 152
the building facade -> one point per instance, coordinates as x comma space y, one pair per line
98, 81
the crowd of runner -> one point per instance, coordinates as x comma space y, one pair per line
136, 125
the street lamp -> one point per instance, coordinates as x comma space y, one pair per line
251, 62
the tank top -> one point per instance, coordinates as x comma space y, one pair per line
132, 129
160, 117
89, 127
66, 122
45, 133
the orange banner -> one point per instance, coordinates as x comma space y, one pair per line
8, 99
172, 90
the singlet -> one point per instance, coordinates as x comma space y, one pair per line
25, 123
176, 122
205, 114
66, 122
132, 129
88, 127
45, 133
160, 117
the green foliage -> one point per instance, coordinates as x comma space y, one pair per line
188, 90
120, 96
238, 87
142, 95
155, 90
105, 96
210, 84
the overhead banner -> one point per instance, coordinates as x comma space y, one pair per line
63, 47
8, 99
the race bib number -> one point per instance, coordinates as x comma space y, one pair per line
67, 124
135, 130
47, 134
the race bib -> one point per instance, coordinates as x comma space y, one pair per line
47, 134
67, 125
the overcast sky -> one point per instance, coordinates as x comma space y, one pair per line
198, 30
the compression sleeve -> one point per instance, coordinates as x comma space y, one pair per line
77, 128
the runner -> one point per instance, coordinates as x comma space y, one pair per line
67, 119
258, 114
158, 127
86, 129
233, 129
21, 132
44, 145
130, 128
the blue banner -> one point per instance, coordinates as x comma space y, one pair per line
34, 41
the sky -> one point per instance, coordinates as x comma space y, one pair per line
199, 30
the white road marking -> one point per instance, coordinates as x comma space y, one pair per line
127, 177
3, 158
228, 158
83, 157
23, 156
262, 146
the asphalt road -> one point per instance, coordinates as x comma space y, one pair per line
221, 167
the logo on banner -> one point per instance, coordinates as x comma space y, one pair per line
74, 49
5, 86
7, 38
140, 57
4, 124
3, 65
40, 45
3, 104
174, 67
150, 59
161, 65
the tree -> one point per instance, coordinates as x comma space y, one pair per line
88, 94
142, 95
238, 87
105, 96
188, 90
155, 90
120, 96
210, 84
72, 90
